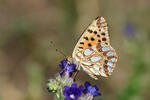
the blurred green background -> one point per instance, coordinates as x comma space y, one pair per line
28, 60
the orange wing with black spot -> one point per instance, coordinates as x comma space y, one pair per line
93, 51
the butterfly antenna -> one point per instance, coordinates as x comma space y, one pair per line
51, 42
61, 52
75, 74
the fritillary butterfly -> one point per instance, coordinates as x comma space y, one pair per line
93, 51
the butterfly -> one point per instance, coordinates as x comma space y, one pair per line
93, 51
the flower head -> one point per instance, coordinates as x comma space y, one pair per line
67, 68
63, 64
92, 90
73, 92
52, 85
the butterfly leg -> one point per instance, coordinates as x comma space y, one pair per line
76, 73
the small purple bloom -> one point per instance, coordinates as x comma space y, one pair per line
67, 68
129, 29
63, 64
73, 92
92, 90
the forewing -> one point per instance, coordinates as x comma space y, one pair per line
93, 51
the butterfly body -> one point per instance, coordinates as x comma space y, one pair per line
93, 51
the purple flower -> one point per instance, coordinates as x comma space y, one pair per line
67, 68
73, 92
63, 64
129, 29
92, 90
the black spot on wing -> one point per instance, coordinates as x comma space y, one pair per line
81, 42
80, 47
103, 33
92, 39
86, 38
98, 35
90, 31
99, 40
95, 32
104, 39
89, 44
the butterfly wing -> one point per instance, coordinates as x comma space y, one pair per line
93, 51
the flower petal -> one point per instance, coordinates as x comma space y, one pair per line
66, 87
67, 98
92, 90
73, 92
71, 67
74, 85
97, 94
96, 87
81, 87
87, 84
65, 93
63, 64
62, 72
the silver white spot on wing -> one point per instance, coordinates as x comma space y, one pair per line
98, 63
110, 63
87, 52
109, 68
102, 45
77, 59
105, 48
95, 59
96, 67
80, 55
102, 20
113, 59
94, 47
102, 72
110, 53
102, 25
